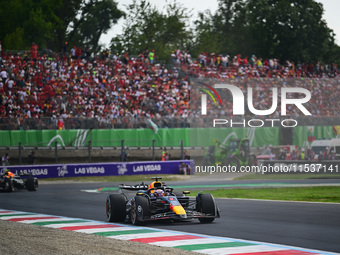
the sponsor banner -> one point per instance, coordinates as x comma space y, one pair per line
101, 169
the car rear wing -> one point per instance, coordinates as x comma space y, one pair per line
133, 187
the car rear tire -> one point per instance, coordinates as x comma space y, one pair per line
32, 184
116, 208
9, 186
140, 209
205, 203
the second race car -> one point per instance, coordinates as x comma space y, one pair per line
157, 201
10, 182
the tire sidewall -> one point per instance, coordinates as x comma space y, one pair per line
140, 210
205, 203
32, 184
9, 185
116, 207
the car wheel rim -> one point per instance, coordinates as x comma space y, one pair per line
133, 214
108, 209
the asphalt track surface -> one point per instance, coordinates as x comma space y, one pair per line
307, 225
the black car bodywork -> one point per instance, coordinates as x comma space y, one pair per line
17, 182
144, 206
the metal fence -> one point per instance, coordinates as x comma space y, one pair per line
90, 123
50, 123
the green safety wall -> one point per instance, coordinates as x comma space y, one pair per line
164, 137
304, 135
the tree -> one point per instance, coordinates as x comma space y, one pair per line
49, 23
23, 22
284, 29
96, 18
146, 28
226, 20
207, 38
291, 30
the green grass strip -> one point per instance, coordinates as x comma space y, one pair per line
193, 247
17, 214
309, 194
57, 222
206, 186
108, 189
125, 232
134, 178
292, 176
227, 185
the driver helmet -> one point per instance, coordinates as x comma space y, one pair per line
159, 193
9, 173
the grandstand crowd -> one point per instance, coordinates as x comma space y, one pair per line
61, 90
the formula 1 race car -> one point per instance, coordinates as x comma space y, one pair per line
10, 182
158, 202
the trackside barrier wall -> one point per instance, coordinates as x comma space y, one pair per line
191, 137
102, 169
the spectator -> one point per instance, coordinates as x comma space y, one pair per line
65, 48
32, 158
282, 155
34, 51
302, 155
185, 155
3, 75
5, 160
294, 155
152, 57
167, 156
60, 123
184, 169
164, 153
112, 90
73, 52
310, 154
125, 155
271, 155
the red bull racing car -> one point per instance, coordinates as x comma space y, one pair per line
157, 201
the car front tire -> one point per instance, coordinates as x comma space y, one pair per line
32, 184
116, 208
9, 186
205, 203
140, 209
